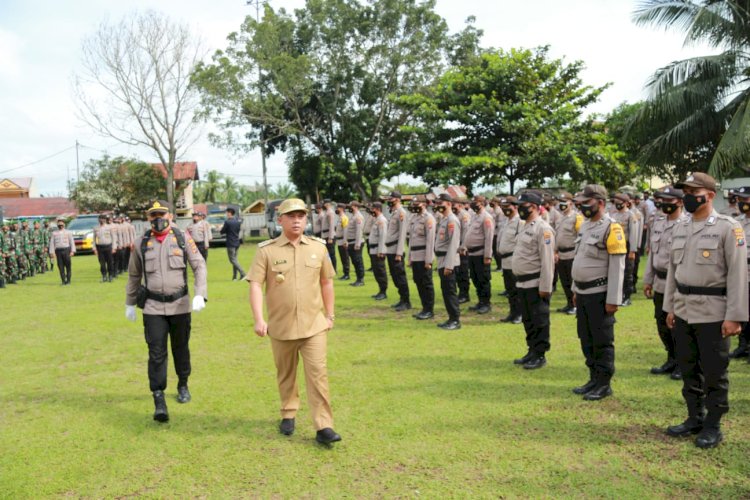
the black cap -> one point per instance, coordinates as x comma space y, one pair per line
445, 197
529, 197
673, 192
377, 205
394, 194
742, 192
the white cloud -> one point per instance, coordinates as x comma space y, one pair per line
10, 60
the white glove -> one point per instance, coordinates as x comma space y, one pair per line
130, 313
199, 303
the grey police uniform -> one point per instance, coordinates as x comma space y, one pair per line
478, 244
629, 223
566, 233
447, 242
462, 272
422, 228
377, 247
395, 243
506, 246
353, 234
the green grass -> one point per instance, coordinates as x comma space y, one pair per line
423, 412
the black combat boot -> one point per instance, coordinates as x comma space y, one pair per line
160, 407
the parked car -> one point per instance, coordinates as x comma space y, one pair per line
82, 228
217, 214
274, 230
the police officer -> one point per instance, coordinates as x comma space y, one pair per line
105, 246
377, 249
497, 212
706, 300
566, 233
598, 272
731, 209
160, 259
506, 245
63, 247
627, 219
669, 200
422, 229
342, 220
298, 278
395, 244
3, 269
743, 204
460, 209
478, 247
317, 223
533, 266
353, 240
447, 242
328, 230
200, 230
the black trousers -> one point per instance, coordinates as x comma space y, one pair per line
357, 262
535, 316
378, 270
703, 358
627, 282
157, 329
202, 249
745, 335
127, 258
398, 274
332, 253
596, 331
510, 286
63, 263
106, 260
423, 279
565, 271
344, 254
462, 277
665, 334
481, 276
122, 264
450, 297
498, 259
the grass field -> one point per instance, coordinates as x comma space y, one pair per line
423, 412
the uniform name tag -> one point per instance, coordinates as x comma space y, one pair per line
279, 262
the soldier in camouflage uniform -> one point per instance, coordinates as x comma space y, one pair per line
21, 260
3, 276
8, 255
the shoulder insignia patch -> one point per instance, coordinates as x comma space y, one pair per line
488, 222
319, 240
579, 221
739, 235
616, 240
264, 243
547, 237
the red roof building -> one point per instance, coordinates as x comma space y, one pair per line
184, 173
28, 207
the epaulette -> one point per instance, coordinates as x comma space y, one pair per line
265, 243
319, 240
727, 218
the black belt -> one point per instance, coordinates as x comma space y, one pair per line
440, 254
701, 290
475, 249
660, 274
317, 235
566, 249
414, 249
166, 298
65, 249
351, 241
527, 277
506, 255
585, 285
391, 243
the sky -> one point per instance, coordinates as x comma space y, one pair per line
40, 50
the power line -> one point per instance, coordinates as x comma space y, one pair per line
38, 161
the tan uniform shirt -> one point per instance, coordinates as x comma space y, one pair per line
731, 211
629, 224
600, 254
292, 277
395, 240
342, 221
354, 230
422, 240
199, 233
164, 269
660, 243
508, 241
62, 238
566, 234
479, 235
535, 253
328, 225
744, 220
369, 221
464, 219
317, 223
708, 253
639, 228
123, 235
377, 235
447, 241
500, 220
105, 234
134, 237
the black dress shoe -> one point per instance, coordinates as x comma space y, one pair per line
160, 407
583, 389
517, 320
474, 307
572, 311
689, 426
525, 359
344, 278
463, 300
327, 436
425, 315
450, 325
740, 352
404, 306
627, 302
535, 363
676, 374
598, 393
357, 283
286, 427
668, 367
484, 309
709, 437
507, 319
380, 296
563, 309
183, 394
394, 306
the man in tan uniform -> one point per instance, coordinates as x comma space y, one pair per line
200, 230
62, 246
566, 234
506, 245
354, 239
160, 259
743, 198
328, 230
395, 246
421, 254
376, 244
342, 220
298, 277
478, 246
105, 246
706, 299
447, 242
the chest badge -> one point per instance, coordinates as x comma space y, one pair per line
280, 278
706, 253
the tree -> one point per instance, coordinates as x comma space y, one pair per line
134, 86
501, 117
327, 77
118, 184
702, 104
208, 189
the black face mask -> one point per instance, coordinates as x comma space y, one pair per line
524, 212
391, 204
563, 206
744, 207
658, 204
693, 203
60, 226
440, 209
508, 212
668, 208
619, 206
475, 206
159, 224
590, 211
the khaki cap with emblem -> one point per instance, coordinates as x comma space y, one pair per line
564, 196
158, 206
592, 191
624, 197
292, 205
698, 180
508, 200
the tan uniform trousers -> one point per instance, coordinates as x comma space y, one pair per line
286, 356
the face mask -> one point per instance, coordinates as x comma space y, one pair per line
590, 211
475, 206
60, 226
693, 203
159, 224
668, 208
455, 210
391, 204
524, 212
619, 206
658, 204
744, 207
563, 206
508, 212
732, 200
440, 209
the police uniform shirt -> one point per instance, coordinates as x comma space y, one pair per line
535, 253
198, 231
500, 220
292, 276
342, 221
328, 224
629, 225
422, 239
744, 221
377, 235
447, 242
62, 238
731, 211
566, 233
479, 235
317, 223
354, 230
639, 227
395, 239
600, 255
508, 240
464, 219
165, 272
554, 217
369, 221
104, 234
659, 243
708, 253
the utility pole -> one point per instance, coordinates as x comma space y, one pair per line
78, 168
257, 4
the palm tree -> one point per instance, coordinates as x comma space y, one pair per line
207, 190
283, 191
702, 102
229, 190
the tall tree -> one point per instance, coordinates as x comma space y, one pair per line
134, 85
327, 76
702, 101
